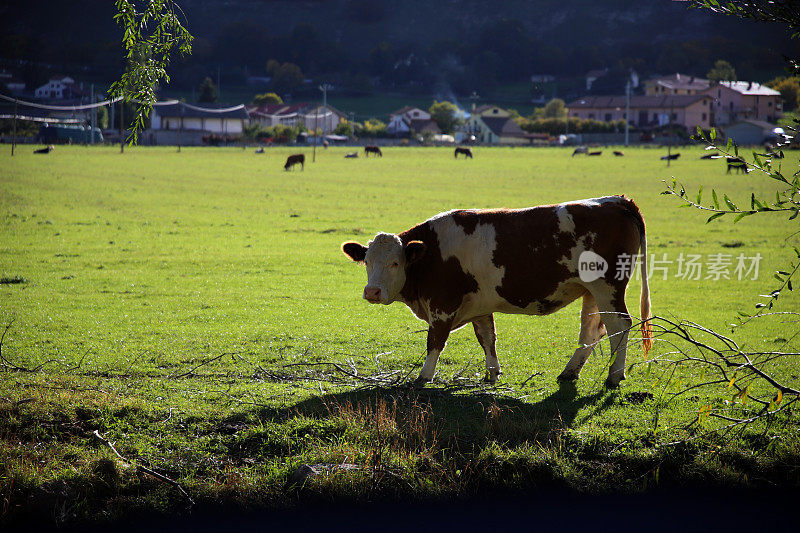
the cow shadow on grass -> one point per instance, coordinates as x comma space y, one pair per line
442, 416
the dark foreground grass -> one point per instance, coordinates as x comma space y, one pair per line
193, 312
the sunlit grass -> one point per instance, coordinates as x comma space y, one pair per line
154, 289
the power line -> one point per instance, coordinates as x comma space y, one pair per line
45, 119
60, 108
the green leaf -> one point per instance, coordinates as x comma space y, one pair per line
699, 194
740, 216
730, 204
715, 216
712, 134
716, 200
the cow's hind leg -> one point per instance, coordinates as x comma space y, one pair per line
484, 330
592, 330
614, 313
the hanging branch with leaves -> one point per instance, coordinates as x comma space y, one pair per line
152, 34
787, 200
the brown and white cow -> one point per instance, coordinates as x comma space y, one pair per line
464, 265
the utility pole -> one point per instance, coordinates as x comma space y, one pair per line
314, 152
93, 115
180, 124
122, 126
627, 110
324, 88
14, 135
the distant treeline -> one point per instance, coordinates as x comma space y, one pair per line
355, 44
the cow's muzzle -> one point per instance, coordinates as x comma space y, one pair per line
372, 294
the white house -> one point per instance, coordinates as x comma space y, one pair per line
189, 124
493, 125
319, 117
402, 121
59, 87
323, 118
268, 115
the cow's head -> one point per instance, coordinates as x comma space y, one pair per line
387, 261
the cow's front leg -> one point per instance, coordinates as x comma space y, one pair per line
484, 330
437, 338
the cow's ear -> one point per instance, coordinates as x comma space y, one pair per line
414, 251
355, 251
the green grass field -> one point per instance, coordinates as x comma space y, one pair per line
188, 306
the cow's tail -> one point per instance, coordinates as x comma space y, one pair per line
644, 302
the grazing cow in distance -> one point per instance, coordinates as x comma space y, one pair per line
45, 150
618, 153
294, 159
351, 155
260, 150
710, 156
670, 157
372, 149
772, 151
463, 150
464, 265
736, 163
598, 152
580, 150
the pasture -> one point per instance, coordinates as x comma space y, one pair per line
194, 310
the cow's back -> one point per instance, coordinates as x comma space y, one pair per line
519, 260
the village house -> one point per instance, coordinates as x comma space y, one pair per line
646, 112
675, 84
186, 124
59, 88
303, 113
494, 125
734, 101
324, 118
408, 120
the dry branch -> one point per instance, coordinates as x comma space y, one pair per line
144, 469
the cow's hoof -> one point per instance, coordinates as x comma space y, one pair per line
490, 377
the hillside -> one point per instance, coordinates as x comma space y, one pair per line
408, 44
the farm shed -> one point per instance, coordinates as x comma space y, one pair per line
750, 132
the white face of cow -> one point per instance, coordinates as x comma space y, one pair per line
386, 260
386, 269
